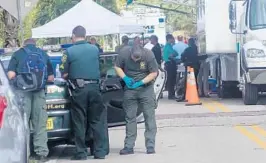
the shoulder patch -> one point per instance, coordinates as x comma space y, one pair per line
64, 58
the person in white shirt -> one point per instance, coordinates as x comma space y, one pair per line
180, 46
148, 44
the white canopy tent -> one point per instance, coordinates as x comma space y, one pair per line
96, 19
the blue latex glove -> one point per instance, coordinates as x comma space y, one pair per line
137, 84
129, 81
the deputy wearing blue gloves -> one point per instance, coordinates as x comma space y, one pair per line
138, 68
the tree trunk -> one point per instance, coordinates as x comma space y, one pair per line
11, 28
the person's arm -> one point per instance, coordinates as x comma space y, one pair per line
184, 55
64, 67
12, 67
119, 65
152, 67
50, 71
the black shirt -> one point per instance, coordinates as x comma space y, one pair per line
190, 56
157, 51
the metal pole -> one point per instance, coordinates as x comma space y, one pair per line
20, 20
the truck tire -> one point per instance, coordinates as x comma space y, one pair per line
250, 94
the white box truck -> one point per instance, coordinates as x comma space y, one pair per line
233, 35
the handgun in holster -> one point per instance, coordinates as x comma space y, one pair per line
80, 83
70, 86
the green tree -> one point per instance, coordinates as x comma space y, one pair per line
9, 29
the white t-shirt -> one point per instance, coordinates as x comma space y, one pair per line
149, 46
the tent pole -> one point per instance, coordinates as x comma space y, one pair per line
118, 38
143, 38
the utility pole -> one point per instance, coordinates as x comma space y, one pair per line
20, 20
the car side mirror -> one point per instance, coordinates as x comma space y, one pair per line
232, 16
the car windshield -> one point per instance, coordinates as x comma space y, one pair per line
257, 14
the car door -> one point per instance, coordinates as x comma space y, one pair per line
13, 126
112, 87
112, 90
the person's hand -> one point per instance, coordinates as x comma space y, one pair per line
137, 84
129, 81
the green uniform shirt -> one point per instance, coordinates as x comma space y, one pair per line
137, 70
81, 61
168, 51
19, 56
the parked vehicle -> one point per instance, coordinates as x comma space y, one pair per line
235, 42
13, 125
58, 106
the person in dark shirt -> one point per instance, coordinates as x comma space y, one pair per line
190, 58
157, 51
34, 103
125, 41
94, 42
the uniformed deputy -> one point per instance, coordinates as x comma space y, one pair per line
138, 68
80, 65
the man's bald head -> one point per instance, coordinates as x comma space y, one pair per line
125, 40
29, 41
79, 31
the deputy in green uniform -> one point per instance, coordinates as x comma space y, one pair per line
138, 68
80, 65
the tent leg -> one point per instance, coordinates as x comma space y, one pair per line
118, 38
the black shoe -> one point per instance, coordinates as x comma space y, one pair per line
150, 151
77, 157
172, 98
99, 157
41, 158
126, 151
181, 100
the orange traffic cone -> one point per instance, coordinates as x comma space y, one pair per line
192, 93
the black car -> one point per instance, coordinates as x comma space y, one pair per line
58, 106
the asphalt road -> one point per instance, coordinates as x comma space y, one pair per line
219, 131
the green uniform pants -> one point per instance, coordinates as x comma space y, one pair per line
87, 104
89, 134
34, 104
144, 97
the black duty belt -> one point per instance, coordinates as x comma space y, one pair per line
80, 83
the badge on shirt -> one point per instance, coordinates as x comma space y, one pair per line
142, 65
